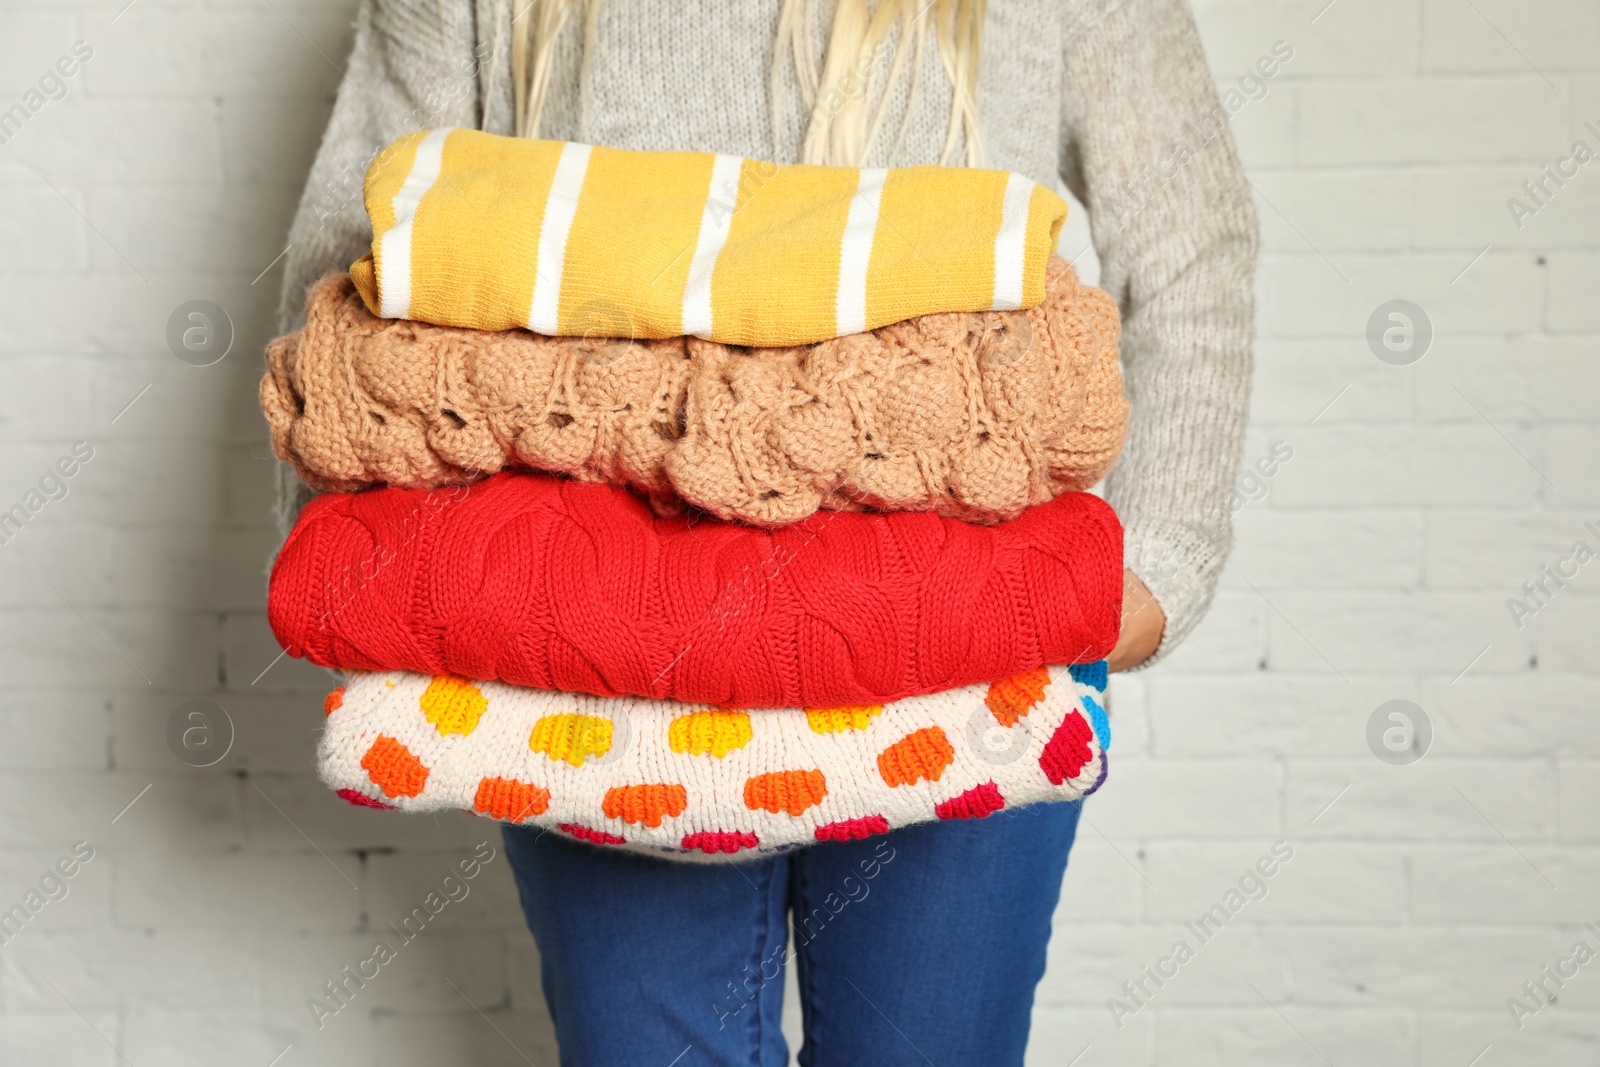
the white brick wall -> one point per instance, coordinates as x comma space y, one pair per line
1378, 567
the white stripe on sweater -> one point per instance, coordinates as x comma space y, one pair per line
1010, 244
855, 251
394, 250
559, 210
715, 222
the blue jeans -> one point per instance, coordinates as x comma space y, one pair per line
920, 946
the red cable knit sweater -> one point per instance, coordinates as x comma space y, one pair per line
539, 581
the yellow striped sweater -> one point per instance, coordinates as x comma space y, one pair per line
487, 232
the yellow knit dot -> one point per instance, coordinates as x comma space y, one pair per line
453, 704
716, 732
571, 737
838, 720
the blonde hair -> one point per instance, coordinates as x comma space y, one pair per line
535, 26
846, 101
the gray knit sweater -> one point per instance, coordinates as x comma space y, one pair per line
1111, 96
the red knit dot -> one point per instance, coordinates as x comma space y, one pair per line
593, 836
361, 800
715, 841
853, 829
1067, 750
976, 803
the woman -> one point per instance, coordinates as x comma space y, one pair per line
923, 945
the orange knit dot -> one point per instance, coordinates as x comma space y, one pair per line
1011, 698
645, 804
333, 701
791, 791
924, 754
393, 768
509, 799
716, 732
453, 705
838, 720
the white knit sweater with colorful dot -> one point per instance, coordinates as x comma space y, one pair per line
695, 783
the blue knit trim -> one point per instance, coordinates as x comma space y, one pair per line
1099, 720
1094, 674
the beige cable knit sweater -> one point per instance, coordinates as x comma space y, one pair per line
1097, 92
976, 416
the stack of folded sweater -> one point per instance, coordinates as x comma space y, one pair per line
697, 505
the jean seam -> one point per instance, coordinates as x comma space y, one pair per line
807, 984
758, 1049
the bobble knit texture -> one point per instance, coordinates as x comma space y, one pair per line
690, 782
541, 581
972, 415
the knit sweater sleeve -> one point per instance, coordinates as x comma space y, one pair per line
413, 65
1146, 146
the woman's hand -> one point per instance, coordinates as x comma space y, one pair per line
1142, 624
